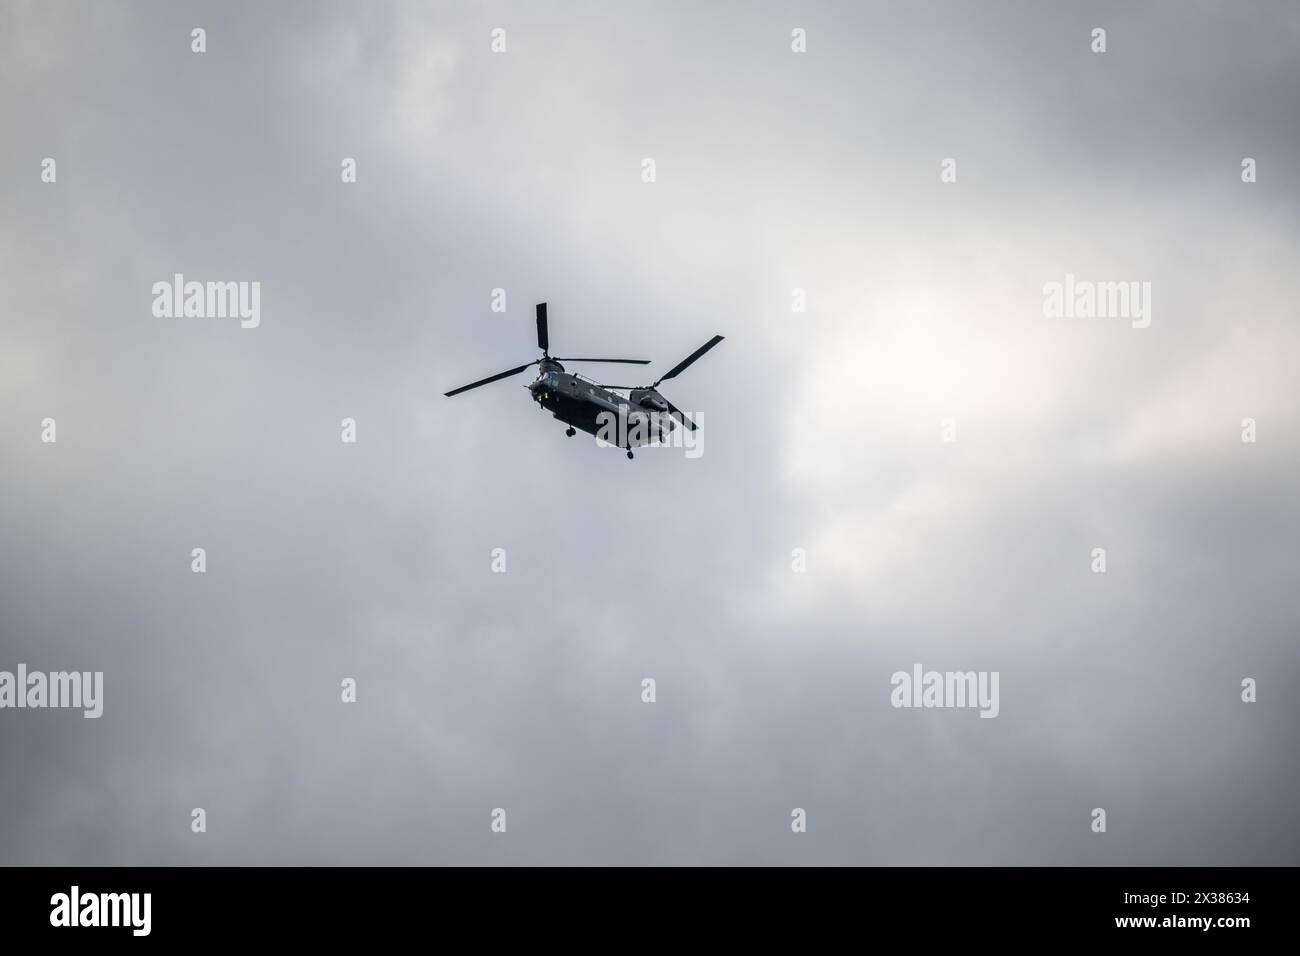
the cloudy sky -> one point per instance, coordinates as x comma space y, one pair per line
776, 171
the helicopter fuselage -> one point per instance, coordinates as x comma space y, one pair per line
591, 407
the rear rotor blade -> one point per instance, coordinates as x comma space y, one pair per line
492, 378
612, 361
543, 338
686, 362
679, 415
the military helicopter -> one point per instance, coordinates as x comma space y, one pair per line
583, 403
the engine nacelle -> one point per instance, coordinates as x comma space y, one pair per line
648, 398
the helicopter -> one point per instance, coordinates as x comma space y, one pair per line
582, 403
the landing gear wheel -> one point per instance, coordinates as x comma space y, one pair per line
570, 432
629, 454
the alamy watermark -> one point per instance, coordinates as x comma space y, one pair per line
37, 689
946, 689
208, 300
75, 908
637, 428
1085, 299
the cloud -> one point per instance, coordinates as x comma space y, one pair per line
522, 690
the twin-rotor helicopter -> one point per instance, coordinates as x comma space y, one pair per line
584, 404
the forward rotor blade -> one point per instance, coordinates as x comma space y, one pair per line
612, 361
679, 415
685, 363
543, 337
492, 378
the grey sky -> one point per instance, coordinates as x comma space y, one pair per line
821, 431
